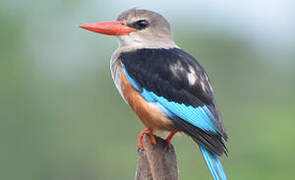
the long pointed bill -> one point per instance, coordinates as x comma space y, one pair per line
115, 28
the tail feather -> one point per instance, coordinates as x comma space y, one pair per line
213, 164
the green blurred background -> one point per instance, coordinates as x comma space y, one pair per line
62, 118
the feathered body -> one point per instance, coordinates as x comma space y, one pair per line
176, 76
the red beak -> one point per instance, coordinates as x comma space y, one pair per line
115, 28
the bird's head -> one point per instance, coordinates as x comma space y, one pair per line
138, 28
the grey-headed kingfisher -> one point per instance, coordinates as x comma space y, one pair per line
164, 85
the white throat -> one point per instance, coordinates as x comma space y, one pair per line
135, 41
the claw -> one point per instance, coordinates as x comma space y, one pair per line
146, 131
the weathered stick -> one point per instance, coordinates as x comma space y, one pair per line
156, 162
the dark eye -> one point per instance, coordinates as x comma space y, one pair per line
140, 24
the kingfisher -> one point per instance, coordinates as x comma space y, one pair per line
165, 86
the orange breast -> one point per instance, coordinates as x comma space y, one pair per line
148, 113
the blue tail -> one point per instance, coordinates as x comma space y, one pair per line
213, 164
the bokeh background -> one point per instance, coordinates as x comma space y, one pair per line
62, 118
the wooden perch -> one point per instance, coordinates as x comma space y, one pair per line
156, 162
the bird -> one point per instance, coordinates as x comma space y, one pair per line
164, 85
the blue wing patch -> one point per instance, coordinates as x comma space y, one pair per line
200, 117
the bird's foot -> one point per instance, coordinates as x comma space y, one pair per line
169, 138
146, 131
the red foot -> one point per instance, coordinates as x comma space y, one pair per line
146, 131
169, 137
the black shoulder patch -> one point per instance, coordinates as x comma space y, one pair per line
165, 72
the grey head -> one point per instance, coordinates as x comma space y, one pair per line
152, 29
